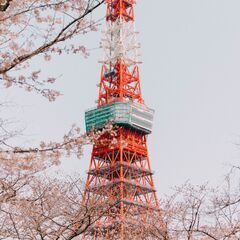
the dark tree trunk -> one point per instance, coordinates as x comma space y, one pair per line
4, 4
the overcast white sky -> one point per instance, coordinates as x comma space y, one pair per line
190, 75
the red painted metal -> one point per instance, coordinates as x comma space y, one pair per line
124, 85
120, 9
120, 169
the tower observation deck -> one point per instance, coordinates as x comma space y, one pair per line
120, 172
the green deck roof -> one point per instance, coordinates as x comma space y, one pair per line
134, 115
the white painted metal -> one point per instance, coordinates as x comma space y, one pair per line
119, 42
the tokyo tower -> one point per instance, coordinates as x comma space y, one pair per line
119, 170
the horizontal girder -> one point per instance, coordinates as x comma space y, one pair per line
111, 171
127, 185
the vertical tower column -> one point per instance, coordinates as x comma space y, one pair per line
120, 172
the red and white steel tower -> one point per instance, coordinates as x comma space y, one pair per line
119, 170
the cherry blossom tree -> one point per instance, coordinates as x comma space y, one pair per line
45, 208
201, 212
29, 206
30, 29
36, 206
40, 28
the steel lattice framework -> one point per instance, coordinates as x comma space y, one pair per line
120, 173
